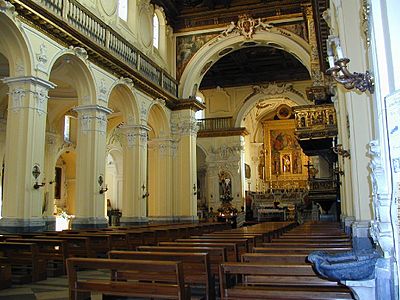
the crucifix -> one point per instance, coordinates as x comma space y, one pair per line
309, 165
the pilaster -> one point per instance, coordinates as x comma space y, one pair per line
134, 190
90, 166
184, 131
24, 152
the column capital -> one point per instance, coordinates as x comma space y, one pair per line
164, 145
93, 117
29, 80
28, 92
132, 132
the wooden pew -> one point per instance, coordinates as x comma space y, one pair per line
134, 278
251, 240
26, 265
216, 255
298, 250
231, 248
307, 245
242, 244
54, 252
5, 276
275, 258
78, 246
196, 266
275, 282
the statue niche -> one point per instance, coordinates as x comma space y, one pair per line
225, 186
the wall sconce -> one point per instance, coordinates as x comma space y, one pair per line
194, 189
145, 194
102, 189
338, 69
36, 174
338, 149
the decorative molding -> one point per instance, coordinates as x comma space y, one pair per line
273, 89
42, 58
22, 86
366, 10
245, 26
6, 6
80, 52
182, 127
159, 101
102, 90
93, 118
134, 135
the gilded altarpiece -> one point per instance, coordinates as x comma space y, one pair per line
284, 159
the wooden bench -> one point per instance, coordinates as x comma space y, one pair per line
54, 252
251, 240
217, 255
242, 244
196, 266
78, 246
5, 276
26, 265
307, 245
258, 281
275, 258
231, 248
298, 250
134, 278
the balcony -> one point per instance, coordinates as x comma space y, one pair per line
72, 24
210, 127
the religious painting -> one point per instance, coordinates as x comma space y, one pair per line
285, 157
187, 46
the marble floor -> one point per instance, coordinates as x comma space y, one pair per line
53, 288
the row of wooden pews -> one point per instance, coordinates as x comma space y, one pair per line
278, 269
201, 258
30, 257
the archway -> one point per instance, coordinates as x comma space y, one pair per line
212, 51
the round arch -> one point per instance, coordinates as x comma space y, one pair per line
157, 120
249, 103
72, 66
218, 47
124, 100
14, 47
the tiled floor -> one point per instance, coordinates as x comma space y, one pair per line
53, 288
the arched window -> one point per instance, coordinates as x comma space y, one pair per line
156, 31
200, 113
123, 9
67, 128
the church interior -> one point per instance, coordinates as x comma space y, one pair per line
133, 123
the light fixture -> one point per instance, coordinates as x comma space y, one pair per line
36, 173
101, 181
338, 149
339, 72
145, 194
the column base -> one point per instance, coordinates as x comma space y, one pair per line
174, 219
347, 221
14, 225
127, 221
50, 223
362, 289
361, 238
99, 222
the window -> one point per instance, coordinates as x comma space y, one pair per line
123, 9
67, 128
200, 113
156, 31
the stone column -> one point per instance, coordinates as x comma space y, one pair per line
134, 199
160, 157
184, 130
24, 151
90, 166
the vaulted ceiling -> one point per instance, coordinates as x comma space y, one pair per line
251, 65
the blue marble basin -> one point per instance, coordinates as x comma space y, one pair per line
345, 266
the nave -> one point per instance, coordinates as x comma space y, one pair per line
263, 261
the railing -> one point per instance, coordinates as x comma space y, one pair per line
88, 24
321, 185
211, 124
